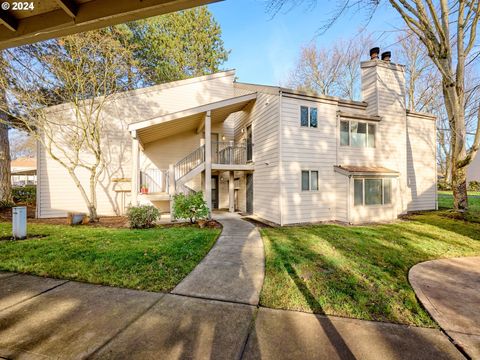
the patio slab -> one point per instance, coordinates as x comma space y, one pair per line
235, 267
280, 334
180, 327
69, 322
449, 290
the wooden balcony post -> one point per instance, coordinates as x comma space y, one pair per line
171, 188
208, 161
135, 169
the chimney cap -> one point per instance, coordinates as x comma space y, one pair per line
375, 50
386, 55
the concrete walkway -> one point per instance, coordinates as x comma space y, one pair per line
56, 319
235, 267
450, 291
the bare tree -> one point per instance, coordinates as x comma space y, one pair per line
448, 31
22, 145
330, 71
83, 73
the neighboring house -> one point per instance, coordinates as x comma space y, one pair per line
24, 171
283, 155
473, 170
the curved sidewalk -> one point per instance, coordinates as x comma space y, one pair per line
235, 267
450, 291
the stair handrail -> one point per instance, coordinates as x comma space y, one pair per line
189, 162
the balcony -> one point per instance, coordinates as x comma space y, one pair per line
155, 180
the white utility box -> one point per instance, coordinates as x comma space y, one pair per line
19, 222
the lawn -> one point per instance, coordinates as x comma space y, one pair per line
154, 259
445, 201
360, 271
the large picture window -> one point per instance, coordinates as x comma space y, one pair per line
357, 134
308, 116
309, 180
372, 191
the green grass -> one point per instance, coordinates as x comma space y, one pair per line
445, 201
360, 271
155, 259
449, 192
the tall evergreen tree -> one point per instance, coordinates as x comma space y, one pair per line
177, 46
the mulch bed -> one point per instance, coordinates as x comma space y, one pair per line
107, 221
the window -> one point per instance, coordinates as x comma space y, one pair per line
309, 180
357, 134
372, 192
358, 192
314, 180
313, 117
304, 116
387, 191
344, 133
308, 117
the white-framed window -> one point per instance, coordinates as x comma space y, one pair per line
372, 191
357, 133
308, 116
309, 180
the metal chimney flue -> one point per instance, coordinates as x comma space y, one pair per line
386, 56
374, 53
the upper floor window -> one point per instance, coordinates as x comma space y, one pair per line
357, 134
308, 116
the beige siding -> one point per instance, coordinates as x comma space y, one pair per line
421, 164
308, 149
57, 192
341, 191
264, 117
387, 99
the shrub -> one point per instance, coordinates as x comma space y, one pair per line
25, 194
143, 216
191, 207
4, 204
474, 186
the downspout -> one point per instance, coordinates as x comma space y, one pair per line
280, 162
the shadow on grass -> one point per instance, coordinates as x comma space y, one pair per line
362, 271
333, 335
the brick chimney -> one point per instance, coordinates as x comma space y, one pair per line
383, 84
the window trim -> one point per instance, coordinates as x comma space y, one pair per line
309, 117
382, 191
349, 121
309, 180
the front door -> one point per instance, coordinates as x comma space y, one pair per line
215, 192
250, 193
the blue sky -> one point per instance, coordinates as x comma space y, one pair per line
264, 50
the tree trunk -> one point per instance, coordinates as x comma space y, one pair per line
5, 174
459, 187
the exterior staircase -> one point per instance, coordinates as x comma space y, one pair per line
189, 167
